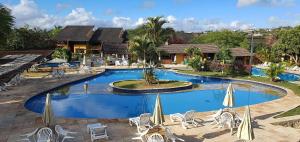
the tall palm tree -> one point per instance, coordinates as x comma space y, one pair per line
140, 47
154, 29
6, 23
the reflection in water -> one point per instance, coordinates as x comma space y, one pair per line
101, 102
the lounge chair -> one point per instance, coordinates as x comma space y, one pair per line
63, 134
98, 133
117, 63
44, 135
29, 136
155, 138
142, 120
185, 119
215, 117
125, 63
141, 136
170, 136
3, 88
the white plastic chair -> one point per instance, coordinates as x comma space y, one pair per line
64, 134
141, 136
171, 136
29, 136
155, 138
185, 119
215, 117
117, 63
44, 135
98, 133
142, 120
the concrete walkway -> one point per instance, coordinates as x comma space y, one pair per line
16, 120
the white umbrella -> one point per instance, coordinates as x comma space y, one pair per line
175, 58
84, 60
48, 117
229, 99
123, 57
158, 116
85, 87
245, 131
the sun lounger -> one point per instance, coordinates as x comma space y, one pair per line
185, 119
29, 136
155, 138
63, 134
44, 135
141, 136
215, 117
170, 136
142, 120
98, 133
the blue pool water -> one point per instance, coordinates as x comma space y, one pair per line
283, 76
100, 102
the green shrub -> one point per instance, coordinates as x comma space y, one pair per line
274, 70
149, 76
62, 53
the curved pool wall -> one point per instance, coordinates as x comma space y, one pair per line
283, 76
72, 101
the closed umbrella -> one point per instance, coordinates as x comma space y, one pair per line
85, 87
158, 116
229, 99
48, 117
174, 58
245, 131
84, 60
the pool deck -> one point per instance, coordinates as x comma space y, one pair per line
16, 120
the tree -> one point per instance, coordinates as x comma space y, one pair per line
25, 38
62, 53
224, 39
155, 31
6, 24
195, 58
54, 32
288, 43
142, 48
274, 70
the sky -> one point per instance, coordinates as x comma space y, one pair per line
185, 15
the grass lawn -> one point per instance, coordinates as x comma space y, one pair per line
294, 87
141, 84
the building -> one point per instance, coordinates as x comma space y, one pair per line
178, 51
84, 39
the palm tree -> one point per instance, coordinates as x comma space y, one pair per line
155, 31
140, 47
6, 23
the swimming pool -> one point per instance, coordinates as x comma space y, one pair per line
284, 76
100, 102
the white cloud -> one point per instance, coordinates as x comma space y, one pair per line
140, 22
276, 21
242, 3
124, 22
79, 16
27, 12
